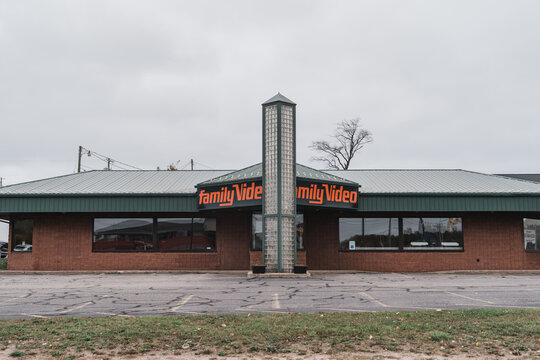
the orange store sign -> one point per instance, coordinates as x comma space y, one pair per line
230, 194
251, 193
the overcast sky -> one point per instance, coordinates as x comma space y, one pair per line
440, 84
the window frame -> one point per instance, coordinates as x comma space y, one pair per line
12, 234
295, 231
252, 232
523, 235
155, 236
401, 248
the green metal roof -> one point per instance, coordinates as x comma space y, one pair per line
435, 182
255, 172
116, 182
174, 191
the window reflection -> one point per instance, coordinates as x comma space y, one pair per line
300, 232
257, 232
204, 234
400, 234
123, 234
150, 234
369, 233
21, 235
531, 234
174, 234
432, 233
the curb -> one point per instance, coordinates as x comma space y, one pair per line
242, 273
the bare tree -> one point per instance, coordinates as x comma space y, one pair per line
350, 138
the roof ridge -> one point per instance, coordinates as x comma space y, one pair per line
324, 171
503, 176
231, 172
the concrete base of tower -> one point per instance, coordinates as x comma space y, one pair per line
251, 275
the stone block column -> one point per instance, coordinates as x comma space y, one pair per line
279, 184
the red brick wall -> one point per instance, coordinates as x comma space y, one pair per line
64, 242
255, 258
300, 257
491, 242
235, 232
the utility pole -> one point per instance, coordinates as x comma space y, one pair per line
191, 164
0, 181
79, 165
108, 163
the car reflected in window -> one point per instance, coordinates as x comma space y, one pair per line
21, 248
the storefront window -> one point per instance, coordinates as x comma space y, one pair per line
123, 235
369, 234
350, 232
300, 232
432, 234
21, 235
531, 234
256, 232
150, 234
400, 234
204, 234
174, 234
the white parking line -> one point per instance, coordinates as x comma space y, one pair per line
12, 299
75, 308
373, 299
470, 298
343, 310
36, 316
405, 275
182, 303
275, 303
262, 311
104, 313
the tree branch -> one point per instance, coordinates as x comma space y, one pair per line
350, 138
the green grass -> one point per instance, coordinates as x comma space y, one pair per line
17, 353
448, 332
437, 335
3, 264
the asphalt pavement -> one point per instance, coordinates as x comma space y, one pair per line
50, 295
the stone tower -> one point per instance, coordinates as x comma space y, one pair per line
279, 184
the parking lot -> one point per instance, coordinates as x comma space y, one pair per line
182, 293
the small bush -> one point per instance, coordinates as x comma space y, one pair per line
3, 264
439, 336
17, 353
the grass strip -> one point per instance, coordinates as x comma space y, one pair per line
478, 331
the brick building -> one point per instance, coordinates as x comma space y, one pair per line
406, 220
372, 220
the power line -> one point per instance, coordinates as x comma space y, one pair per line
206, 166
185, 166
110, 161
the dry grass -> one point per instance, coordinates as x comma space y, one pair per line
489, 332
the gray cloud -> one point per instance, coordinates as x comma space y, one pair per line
451, 84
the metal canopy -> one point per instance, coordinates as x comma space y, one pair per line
254, 172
